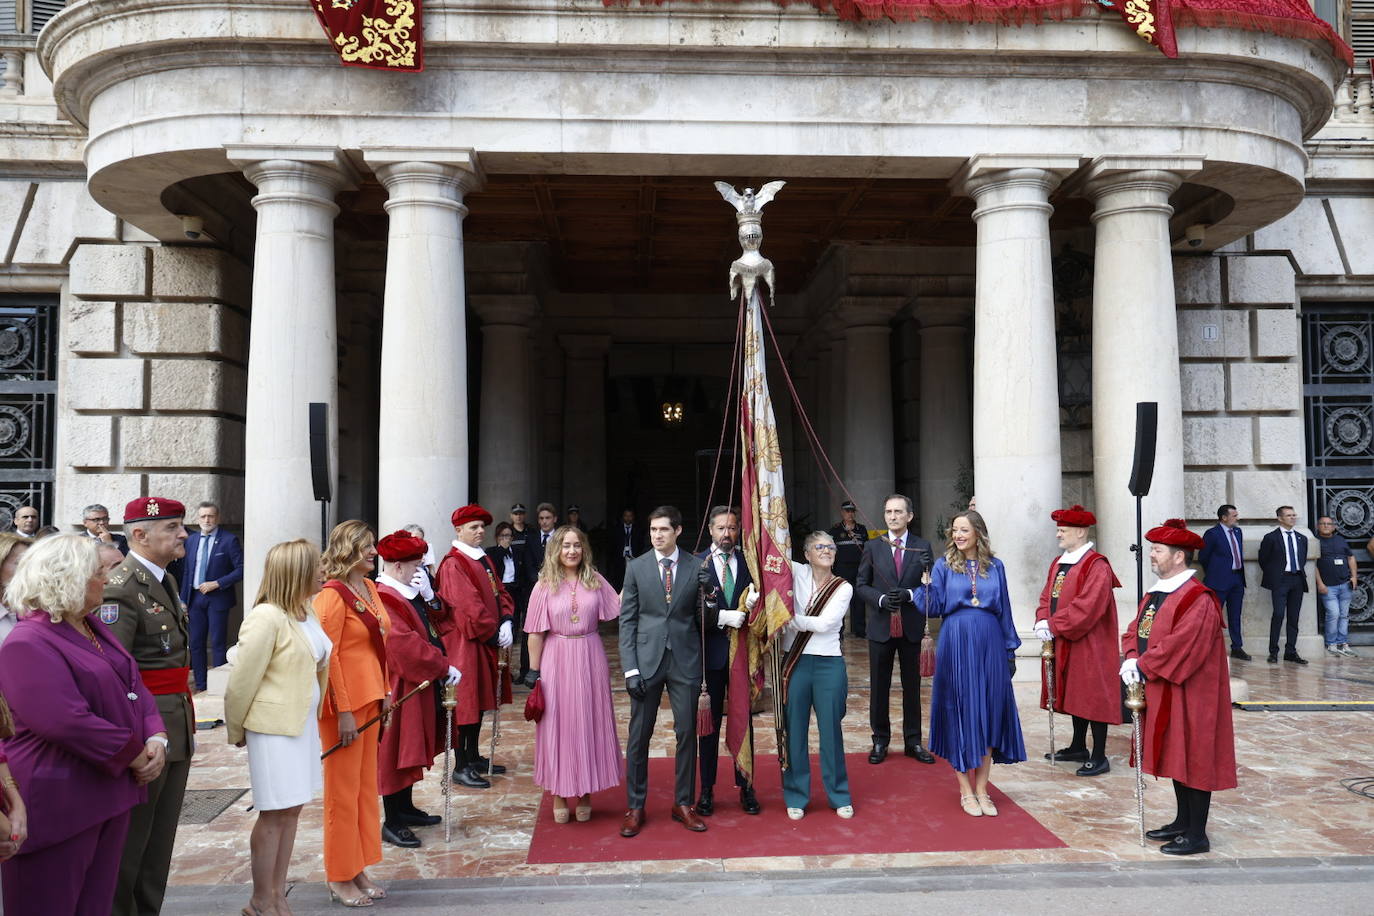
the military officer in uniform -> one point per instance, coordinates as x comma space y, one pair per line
141, 608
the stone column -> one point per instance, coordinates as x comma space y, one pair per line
422, 461
1135, 347
584, 422
869, 456
505, 456
1015, 389
946, 418
292, 352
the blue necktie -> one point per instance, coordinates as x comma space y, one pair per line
203, 558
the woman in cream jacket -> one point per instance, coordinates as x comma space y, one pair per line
272, 704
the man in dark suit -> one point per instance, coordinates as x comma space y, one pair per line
660, 644
96, 518
510, 571
729, 578
537, 540
627, 542
890, 568
1223, 565
1283, 570
214, 565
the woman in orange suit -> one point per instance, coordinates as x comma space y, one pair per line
356, 622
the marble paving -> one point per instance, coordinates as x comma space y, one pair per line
1289, 803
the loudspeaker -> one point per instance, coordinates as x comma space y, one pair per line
1146, 432
319, 449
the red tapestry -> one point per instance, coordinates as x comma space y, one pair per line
380, 34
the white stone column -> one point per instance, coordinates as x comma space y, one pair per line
1135, 348
1015, 386
584, 424
946, 418
422, 435
292, 353
869, 456
505, 456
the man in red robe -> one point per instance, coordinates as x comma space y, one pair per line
475, 624
1175, 646
414, 654
1078, 612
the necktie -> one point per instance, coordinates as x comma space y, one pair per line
544, 539
897, 556
203, 559
1292, 552
667, 565
627, 540
1236, 561
727, 579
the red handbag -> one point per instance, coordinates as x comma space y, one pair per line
534, 703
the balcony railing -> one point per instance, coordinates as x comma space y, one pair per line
1355, 99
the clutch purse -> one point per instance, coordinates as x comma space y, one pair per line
534, 703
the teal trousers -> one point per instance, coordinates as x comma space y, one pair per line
819, 682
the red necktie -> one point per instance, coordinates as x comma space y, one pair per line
667, 579
896, 630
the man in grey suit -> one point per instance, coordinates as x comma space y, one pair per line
660, 644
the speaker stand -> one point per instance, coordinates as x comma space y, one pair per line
1139, 552
324, 523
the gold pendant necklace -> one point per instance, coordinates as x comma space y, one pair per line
972, 567
575, 617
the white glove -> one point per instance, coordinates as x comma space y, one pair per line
420, 582
503, 638
732, 619
454, 676
751, 596
1130, 672
1042, 631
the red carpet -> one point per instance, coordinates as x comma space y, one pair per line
899, 806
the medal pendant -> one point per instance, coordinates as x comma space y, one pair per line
975, 601
576, 619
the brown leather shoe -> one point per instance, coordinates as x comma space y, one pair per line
686, 815
634, 819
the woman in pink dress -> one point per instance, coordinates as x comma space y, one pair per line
576, 750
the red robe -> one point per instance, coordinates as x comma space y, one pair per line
411, 741
1086, 634
474, 604
1187, 728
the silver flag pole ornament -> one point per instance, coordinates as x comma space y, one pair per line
750, 265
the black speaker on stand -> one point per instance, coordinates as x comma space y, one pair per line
1142, 472
319, 463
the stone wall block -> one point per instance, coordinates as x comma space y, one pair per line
1280, 440
190, 273
91, 327
1265, 386
1076, 451
1197, 281
1218, 440
186, 328
1078, 491
1203, 491
1213, 333
1276, 332
1203, 386
197, 384
105, 384
87, 442
1258, 493
109, 271
60, 210
181, 442
192, 489
1261, 281
76, 491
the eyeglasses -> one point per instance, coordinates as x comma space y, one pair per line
823, 548
97, 518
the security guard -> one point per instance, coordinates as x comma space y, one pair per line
141, 608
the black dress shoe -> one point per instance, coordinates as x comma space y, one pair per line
481, 767
1240, 654
1095, 767
920, 753
1184, 846
400, 835
878, 754
1070, 754
469, 777
418, 818
1167, 832
706, 805
1295, 658
747, 801
1273, 658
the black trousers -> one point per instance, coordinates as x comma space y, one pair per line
708, 746
683, 688
1287, 598
1080, 737
880, 659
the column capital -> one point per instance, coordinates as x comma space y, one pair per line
940, 312
585, 346
517, 310
1105, 169
867, 311
396, 165
1135, 184
323, 163
986, 169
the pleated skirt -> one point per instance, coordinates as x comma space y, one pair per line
576, 749
972, 706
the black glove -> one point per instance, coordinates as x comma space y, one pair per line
1011, 662
704, 578
634, 686
531, 677
896, 598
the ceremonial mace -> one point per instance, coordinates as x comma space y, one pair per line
1047, 658
1135, 702
450, 704
379, 716
502, 673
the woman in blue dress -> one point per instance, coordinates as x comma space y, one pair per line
973, 719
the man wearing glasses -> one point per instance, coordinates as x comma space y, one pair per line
96, 518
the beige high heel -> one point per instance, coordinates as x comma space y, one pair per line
985, 803
970, 805
560, 810
584, 809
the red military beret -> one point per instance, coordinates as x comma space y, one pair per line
1074, 517
1174, 533
401, 546
472, 513
152, 509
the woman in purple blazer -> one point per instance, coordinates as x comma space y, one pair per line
87, 738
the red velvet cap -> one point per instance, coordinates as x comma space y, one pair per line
1174, 533
471, 513
152, 509
1074, 517
401, 546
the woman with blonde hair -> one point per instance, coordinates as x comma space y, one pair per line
271, 704
576, 751
353, 617
973, 719
12, 547
88, 736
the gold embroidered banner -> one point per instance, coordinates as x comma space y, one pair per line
381, 34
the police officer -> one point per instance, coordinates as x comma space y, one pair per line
849, 537
141, 608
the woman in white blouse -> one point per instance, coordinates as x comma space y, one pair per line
814, 677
